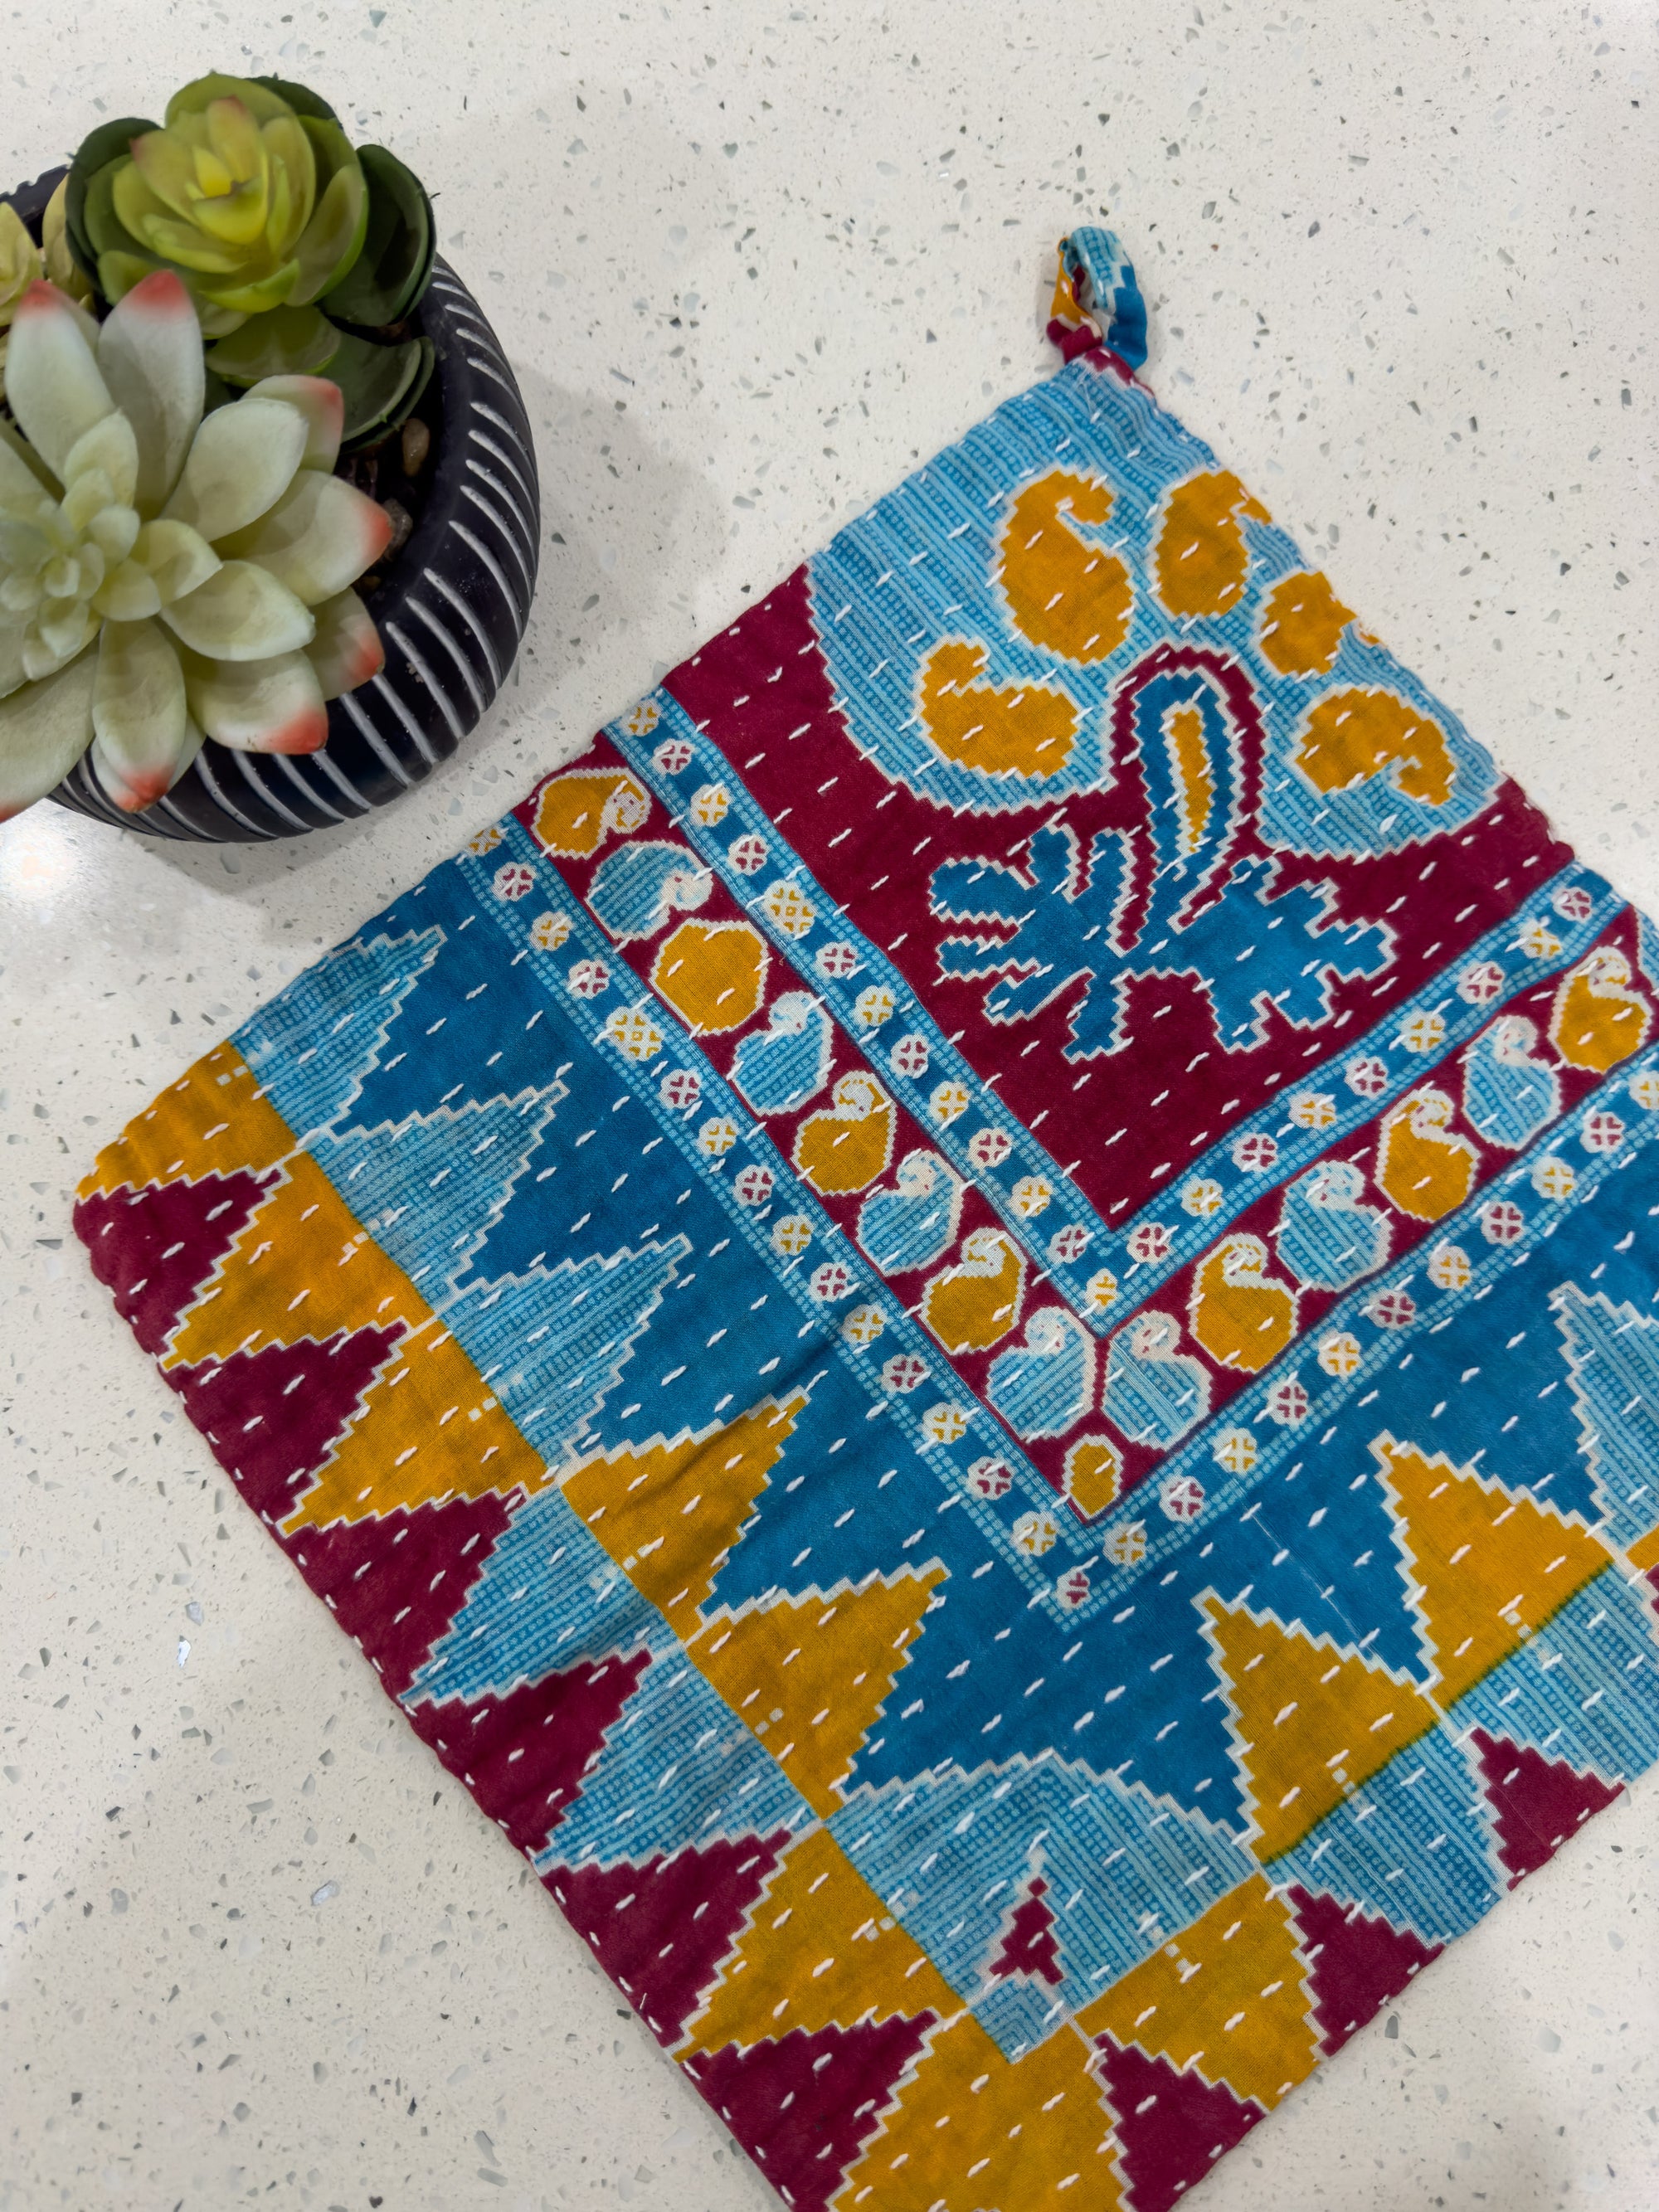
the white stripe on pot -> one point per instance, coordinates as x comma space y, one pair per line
245, 762
471, 492
520, 615
222, 798
284, 762
447, 591
383, 689
468, 676
507, 461
376, 742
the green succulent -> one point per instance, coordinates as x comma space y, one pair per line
165, 575
298, 249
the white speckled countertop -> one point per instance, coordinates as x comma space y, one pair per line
752, 263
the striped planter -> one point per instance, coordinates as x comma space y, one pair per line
451, 612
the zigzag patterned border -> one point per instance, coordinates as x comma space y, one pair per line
827, 1995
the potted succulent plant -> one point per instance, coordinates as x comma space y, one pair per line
269, 510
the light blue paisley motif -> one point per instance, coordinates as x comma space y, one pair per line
1508, 1095
1041, 1387
639, 886
1154, 1393
916, 1224
782, 1065
1326, 1236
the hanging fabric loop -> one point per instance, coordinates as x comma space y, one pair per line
1096, 299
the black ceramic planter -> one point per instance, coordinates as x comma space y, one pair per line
451, 612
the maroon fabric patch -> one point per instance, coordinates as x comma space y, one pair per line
803, 2106
523, 1756
1538, 1802
156, 1247
1172, 2126
396, 1583
1356, 1962
662, 1928
1028, 1947
270, 1415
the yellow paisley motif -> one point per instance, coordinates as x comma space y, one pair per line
1597, 1020
712, 973
1024, 729
575, 811
971, 1306
1302, 625
1350, 734
1200, 561
847, 1145
1423, 1164
1240, 1314
1067, 594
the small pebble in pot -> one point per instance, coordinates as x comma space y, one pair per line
417, 444
402, 522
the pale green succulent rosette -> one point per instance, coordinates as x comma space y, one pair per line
284, 234
164, 576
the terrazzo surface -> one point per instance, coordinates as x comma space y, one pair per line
750, 265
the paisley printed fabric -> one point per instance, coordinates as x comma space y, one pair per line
972, 1320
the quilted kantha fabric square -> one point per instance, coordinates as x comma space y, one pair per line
971, 1321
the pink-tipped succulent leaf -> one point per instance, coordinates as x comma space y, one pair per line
44, 730
346, 649
323, 408
319, 536
242, 613
151, 354
52, 382
273, 706
240, 462
139, 717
